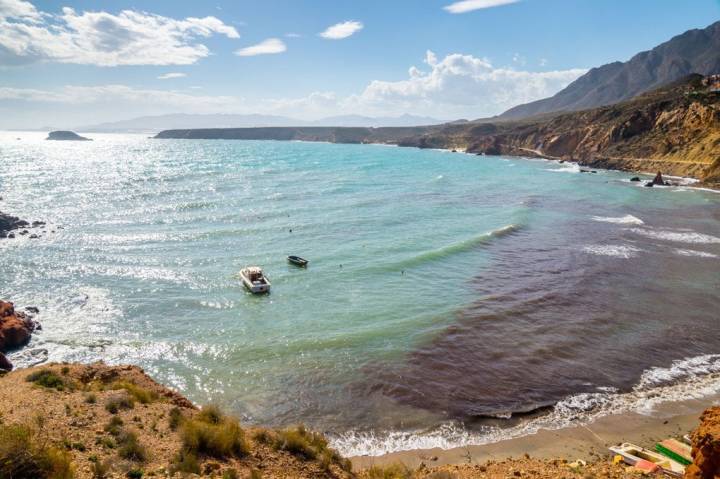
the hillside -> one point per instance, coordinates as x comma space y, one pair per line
674, 129
695, 51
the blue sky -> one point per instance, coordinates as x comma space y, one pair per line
101, 61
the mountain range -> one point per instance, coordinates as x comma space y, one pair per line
695, 51
157, 123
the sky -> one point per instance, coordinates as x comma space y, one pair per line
71, 62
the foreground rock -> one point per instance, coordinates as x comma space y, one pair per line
62, 135
16, 329
706, 447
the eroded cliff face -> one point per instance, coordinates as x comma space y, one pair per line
706, 447
675, 130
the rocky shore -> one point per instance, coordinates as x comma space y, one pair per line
16, 328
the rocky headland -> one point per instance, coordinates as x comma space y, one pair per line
64, 135
674, 129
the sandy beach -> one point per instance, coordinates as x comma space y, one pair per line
588, 442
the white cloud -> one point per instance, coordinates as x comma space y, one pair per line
456, 86
470, 5
519, 59
104, 39
168, 76
342, 30
462, 86
265, 47
18, 9
293, 35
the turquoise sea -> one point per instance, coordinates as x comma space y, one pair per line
450, 298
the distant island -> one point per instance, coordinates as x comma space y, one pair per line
64, 135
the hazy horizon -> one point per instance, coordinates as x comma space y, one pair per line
70, 63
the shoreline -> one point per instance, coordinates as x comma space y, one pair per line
588, 442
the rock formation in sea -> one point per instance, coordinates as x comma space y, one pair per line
16, 327
63, 135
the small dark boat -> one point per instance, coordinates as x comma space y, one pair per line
298, 261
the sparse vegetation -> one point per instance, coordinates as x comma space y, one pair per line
134, 474
90, 398
130, 448
214, 435
186, 462
114, 404
48, 379
100, 469
175, 418
25, 454
393, 471
138, 393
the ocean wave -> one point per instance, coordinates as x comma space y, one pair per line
455, 248
692, 252
620, 220
690, 378
617, 251
567, 168
676, 236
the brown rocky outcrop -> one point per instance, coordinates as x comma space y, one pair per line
706, 447
15, 330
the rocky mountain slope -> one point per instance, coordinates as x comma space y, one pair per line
695, 51
675, 129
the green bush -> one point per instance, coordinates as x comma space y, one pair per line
114, 426
307, 444
48, 379
26, 455
134, 474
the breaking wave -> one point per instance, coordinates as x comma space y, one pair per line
620, 220
455, 248
690, 378
617, 251
677, 236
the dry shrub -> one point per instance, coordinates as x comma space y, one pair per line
25, 454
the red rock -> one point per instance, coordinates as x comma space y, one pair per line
15, 327
706, 447
5, 364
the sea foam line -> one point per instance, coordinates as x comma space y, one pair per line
690, 378
620, 220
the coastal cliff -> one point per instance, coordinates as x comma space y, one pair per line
674, 129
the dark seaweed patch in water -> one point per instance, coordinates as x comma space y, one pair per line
553, 321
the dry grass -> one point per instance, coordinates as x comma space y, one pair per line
393, 471
212, 434
26, 454
139, 394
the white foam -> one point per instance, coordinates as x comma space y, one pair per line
566, 168
617, 251
691, 378
620, 220
677, 236
692, 252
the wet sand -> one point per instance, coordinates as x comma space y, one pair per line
588, 442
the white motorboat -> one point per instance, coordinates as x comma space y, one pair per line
254, 280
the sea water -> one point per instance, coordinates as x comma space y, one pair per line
449, 299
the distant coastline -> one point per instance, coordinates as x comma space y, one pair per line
675, 130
